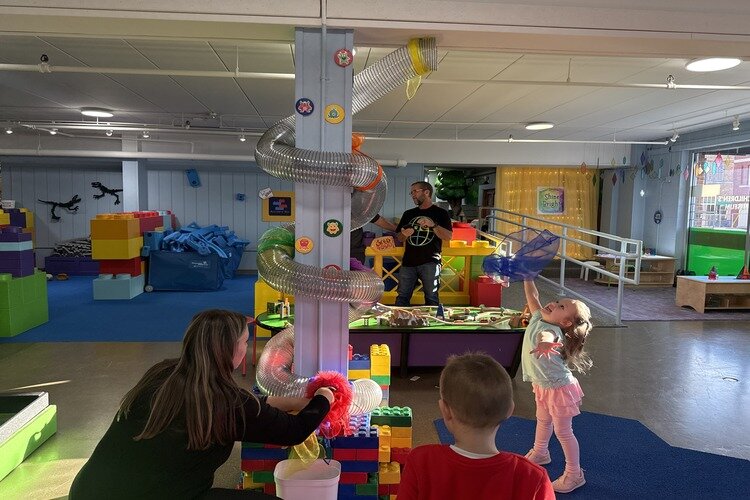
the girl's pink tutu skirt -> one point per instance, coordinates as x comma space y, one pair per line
562, 401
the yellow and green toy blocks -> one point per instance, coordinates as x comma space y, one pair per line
4, 218
23, 303
116, 249
263, 295
115, 227
380, 361
389, 473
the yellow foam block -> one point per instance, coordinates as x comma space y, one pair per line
29, 219
384, 454
384, 435
400, 442
116, 249
401, 432
389, 473
115, 229
357, 374
4, 218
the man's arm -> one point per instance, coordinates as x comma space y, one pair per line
384, 223
443, 233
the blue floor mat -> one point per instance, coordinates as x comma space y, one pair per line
622, 459
74, 315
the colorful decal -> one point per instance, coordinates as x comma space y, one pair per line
334, 113
303, 244
333, 228
304, 106
265, 193
550, 200
343, 58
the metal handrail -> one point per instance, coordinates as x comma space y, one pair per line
623, 254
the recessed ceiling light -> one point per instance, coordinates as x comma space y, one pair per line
145, 134
53, 131
108, 133
242, 138
712, 64
8, 130
539, 126
97, 112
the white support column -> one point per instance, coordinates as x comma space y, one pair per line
134, 186
322, 327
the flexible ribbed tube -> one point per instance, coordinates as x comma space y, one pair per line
278, 268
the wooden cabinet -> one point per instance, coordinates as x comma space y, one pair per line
656, 270
701, 293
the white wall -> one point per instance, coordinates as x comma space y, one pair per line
26, 180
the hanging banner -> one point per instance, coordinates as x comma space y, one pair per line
550, 200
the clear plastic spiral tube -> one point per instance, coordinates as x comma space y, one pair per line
278, 268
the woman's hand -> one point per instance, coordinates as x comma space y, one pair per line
325, 391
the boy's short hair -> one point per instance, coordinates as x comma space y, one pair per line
477, 389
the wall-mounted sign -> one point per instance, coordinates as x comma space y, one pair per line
304, 106
279, 207
550, 200
334, 113
303, 244
343, 58
333, 228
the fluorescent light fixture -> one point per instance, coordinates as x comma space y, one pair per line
97, 112
712, 64
736, 124
642, 193
8, 130
539, 126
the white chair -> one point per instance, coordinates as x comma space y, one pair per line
585, 270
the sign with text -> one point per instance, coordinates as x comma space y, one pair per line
550, 200
279, 207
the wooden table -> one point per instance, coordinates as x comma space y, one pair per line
701, 293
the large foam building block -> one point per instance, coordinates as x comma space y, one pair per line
23, 303
116, 248
134, 267
119, 287
115, 227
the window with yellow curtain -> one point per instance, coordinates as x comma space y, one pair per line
518, 190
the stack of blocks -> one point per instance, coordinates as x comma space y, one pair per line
23, 303
116, 241
16, 252
394, 426
376, 366
18, 217
258, 463
359, 457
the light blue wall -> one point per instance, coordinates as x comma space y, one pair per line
213, 203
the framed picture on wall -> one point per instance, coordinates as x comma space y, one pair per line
550, 200
279, 207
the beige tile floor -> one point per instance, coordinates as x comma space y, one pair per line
689, 382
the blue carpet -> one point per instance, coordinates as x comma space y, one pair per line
623, 459
74, 316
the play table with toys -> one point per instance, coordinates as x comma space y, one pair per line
417, 337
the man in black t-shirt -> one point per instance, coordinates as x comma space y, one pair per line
423, 230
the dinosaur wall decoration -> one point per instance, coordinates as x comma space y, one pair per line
105, 190
70, 206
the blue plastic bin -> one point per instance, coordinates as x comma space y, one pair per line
184, 271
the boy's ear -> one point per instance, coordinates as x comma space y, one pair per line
445, 410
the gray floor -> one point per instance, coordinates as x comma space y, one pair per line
689, 382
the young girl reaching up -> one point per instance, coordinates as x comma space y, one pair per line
552, 345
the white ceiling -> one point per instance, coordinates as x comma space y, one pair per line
480, 108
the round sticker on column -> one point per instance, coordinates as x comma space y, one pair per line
343, 58
332, 228
334, 113
303, 244
304, 106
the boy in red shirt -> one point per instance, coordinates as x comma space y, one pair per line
475, 397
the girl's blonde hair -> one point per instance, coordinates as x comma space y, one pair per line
575, 337
198, 387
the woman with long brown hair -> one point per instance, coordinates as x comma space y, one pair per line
180, 422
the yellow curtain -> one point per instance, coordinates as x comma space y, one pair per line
516, 191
